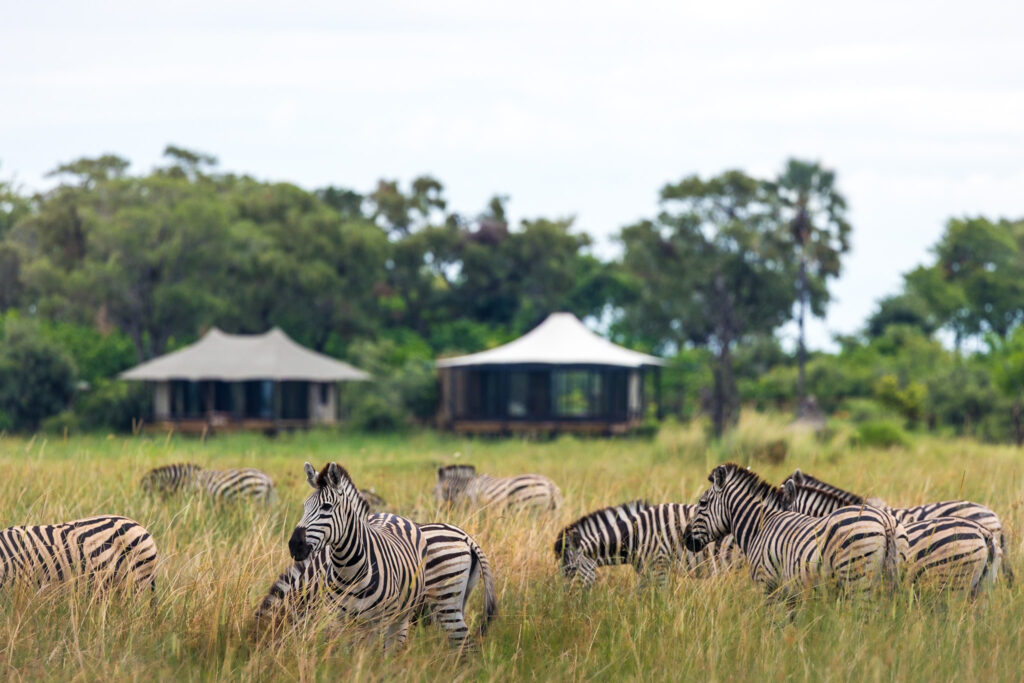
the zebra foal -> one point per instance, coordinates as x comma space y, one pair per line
110, 549
945, 552
853, 547
218, 484
461, 483
376, 566
649, 537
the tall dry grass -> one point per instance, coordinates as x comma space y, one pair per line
218, 561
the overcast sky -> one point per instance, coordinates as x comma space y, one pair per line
581, 109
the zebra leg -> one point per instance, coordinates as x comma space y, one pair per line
1005, 565
396, 633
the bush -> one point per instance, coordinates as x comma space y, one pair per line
404, 386
880, 434
36, 376
61, 423
113, 404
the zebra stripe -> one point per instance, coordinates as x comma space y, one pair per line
107, 548
376, 568
218, 484
454, 563
461, 483
853, 547
649, 537
963, 509
947, 552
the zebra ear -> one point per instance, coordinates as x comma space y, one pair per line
334, 476
310, 475
797, 476
717, 478
788, 494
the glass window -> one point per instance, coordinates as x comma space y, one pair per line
518, 384
578, 393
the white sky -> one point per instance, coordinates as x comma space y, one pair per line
577, 108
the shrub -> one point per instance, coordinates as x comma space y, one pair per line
113, 404
61, 423
880, 434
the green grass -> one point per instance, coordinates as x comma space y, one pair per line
217, 563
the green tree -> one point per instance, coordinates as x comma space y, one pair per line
36, 376
815, 212
1007, 362
714, 268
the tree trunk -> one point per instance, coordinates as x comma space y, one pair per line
801, 348
723, 408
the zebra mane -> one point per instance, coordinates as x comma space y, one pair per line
323, 480
753, 482
187, 466
632, 508
802, 480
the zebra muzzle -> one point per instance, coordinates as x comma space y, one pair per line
298, 546
691, 543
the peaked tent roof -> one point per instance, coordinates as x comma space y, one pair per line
560, 340
235, 357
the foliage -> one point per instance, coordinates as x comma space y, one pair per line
113, 405
36, 376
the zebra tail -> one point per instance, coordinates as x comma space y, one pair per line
891, 561
1005, 565
995, 560
490, 594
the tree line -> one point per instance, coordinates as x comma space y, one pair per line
111, 267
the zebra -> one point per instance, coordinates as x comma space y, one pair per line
218, 484
458, 483
649, 537
454, 563
962, 509
948, 552
111, 549
853, 547
377, 565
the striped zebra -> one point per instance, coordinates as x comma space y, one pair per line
649, 537
218, 484
377, 567
110, 549
454, 563
461, 483
853, 547
944, 552
962, 509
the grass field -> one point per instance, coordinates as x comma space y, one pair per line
217, 563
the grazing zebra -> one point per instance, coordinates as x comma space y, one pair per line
375, 502
962, 509
453, 565
853, 547
219, 484
946, 552
458, 483
649, 537
376, 566
110, 549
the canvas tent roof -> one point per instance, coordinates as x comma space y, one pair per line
560, 340
272, 355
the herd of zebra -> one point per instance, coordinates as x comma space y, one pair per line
384, 571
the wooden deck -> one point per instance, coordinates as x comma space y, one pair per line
199, 426
543, 427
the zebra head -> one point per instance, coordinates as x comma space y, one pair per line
452, 481
329, 513
711, 522
169, 478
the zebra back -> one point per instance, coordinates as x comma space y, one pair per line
236, 483
110, 549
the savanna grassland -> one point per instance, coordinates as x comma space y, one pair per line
217, 562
